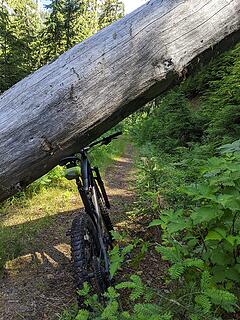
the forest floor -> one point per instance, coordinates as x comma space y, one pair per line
39, 284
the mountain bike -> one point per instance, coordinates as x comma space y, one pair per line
90, 232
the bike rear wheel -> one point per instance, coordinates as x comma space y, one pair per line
87, 256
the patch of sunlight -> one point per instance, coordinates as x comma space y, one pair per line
19, 262
64, 249
48, 202
39, 257
124, 160
121, 224
51, 260
119, 192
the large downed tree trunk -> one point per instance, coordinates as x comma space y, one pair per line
87, 90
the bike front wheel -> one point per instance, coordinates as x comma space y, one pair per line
87, 256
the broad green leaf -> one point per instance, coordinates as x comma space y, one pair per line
218, 273
229, 148
232, 274
178, 225
216, 163
221, 231
237, 267
222, 180
232, 240
220, 257
205, 214
156, 222
216, 234
213, 235
229, 201
201, 191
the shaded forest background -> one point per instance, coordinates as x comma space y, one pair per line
31, 37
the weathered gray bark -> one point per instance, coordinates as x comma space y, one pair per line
68, 103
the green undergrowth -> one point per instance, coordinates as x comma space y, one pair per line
200, 241
189, 186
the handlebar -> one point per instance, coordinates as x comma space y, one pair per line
72, 160
106, 140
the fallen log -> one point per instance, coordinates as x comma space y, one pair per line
87, 90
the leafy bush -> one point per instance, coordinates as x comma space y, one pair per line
112, 309
170, 125
202, 243
203, 109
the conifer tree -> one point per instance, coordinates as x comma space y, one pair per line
71, 10
81, 20
53, 32
110, 11
30, 38
19, 27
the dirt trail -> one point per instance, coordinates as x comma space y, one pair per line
39, 285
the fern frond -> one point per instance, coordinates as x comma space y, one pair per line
168, 253
147, 311
176, 270
136, 293
166, 316
125, 315
111, 294
204, 302
197, 263
82, 315
226, 300
85, 290
206, 280
111, 311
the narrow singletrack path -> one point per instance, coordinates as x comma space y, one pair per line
39, 285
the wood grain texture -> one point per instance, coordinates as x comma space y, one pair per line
87, 90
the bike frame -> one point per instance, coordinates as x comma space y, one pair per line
88, 187
92, 191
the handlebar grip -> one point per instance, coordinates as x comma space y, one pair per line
105, 140
114, 135
108, 139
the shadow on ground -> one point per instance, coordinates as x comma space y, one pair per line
37, 280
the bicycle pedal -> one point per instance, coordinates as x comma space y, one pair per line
68, 233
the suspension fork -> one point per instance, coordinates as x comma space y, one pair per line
85, 200
102, 187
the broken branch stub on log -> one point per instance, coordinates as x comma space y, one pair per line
90, 88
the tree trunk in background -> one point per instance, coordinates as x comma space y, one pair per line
87, 90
